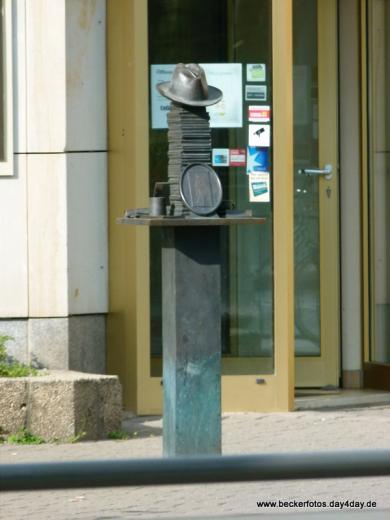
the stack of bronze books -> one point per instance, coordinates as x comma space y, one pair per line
189, 142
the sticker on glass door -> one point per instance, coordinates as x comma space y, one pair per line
259, 187
259, 135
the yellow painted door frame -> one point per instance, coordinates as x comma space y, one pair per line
129, 318
317, 371
376, 374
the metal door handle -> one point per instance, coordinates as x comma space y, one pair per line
326, 171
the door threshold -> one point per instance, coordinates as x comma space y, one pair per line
318, 399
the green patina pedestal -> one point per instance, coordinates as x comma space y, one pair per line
191, 285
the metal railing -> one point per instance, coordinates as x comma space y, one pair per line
193, 470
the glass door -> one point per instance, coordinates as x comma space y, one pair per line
316, 193
233, 41
234, 46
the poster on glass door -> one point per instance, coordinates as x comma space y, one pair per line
225, 76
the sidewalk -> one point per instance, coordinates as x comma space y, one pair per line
307, 430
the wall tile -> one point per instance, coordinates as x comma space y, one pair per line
87, 343
47, 235
66, 75
86, 117
17, 346
13, 243
48, 340
46, 75
87, 233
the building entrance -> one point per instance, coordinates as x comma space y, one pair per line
235, 35
247, 50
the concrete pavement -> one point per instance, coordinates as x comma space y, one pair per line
308, 430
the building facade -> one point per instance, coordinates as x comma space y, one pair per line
54, 257
300, 138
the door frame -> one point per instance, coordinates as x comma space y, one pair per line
128, 324
318, 371
375, 375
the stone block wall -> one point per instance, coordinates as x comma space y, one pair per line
61, 405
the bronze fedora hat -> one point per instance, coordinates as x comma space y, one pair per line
189, 87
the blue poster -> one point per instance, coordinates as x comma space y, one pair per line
257, 159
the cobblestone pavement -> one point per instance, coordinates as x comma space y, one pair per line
242, 433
